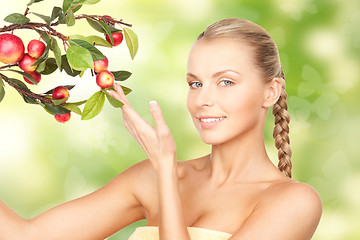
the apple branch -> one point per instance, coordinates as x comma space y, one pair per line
35, 26
8, 66
26, 92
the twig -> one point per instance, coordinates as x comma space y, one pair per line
102, 18
25, 92
8, 66
37, 26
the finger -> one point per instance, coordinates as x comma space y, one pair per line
158, 117
120, 91
116, 95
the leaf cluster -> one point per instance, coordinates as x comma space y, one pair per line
78, 55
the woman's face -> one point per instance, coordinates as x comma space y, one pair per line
226, 91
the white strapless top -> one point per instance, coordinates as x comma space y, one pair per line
152, 233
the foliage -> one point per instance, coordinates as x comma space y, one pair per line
78, 55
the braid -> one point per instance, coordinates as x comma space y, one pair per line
281, 131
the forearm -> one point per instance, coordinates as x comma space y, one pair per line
172, 224
12, 226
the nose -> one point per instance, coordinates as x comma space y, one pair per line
205, 97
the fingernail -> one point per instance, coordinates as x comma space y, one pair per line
153, 105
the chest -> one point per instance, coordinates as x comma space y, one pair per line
218, 208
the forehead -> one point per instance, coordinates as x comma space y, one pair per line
208, 56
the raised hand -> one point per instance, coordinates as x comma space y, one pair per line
157, 142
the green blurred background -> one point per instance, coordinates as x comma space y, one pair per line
44, 163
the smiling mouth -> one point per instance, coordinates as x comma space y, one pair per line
208, 120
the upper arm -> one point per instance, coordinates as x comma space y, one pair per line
292, 213
96, 215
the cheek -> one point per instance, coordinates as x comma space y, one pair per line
190, 103
243, 103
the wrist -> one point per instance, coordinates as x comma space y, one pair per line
165, 165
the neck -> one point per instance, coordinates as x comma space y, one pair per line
242, 159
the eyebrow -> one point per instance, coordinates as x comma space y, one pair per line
215, 74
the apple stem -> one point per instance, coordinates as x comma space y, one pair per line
26, 11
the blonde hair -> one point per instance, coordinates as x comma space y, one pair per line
266, 56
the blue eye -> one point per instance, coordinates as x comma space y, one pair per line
195, 85
226, 83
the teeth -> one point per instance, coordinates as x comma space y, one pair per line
211, 119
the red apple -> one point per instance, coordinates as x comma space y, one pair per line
36, 48
118, 37
60, 93
62, 118
11, 48
105, 79
101, 65
26, 63
35, 75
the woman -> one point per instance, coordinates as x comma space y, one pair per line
235, 192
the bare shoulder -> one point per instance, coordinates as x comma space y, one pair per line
294, 194
287, 210
293, 205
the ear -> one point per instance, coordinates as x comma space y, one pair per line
272, 92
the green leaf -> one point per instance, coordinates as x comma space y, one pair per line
17, 18
47, 67
79, 58
56, 12
93, 23
2, 92
74, 5
65, 66
131, 41
79, 103
101, 27
62, 18
70, 18
27, 75
55, 109
40, 67
43, 57
66, 5
126, 90
34, 1
77, 8
95, 53
90, 1
77, 36
43, 17
59, 101
92, 39
28, 99
93, 106
18, 83
114, 102
69, 87
121, 75
99, 41
22, 85
57, 52
72, 107
46, 37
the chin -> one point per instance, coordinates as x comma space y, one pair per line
212, 140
